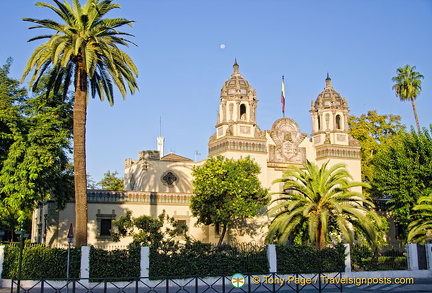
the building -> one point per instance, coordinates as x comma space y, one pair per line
155, 182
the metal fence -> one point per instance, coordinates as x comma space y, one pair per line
271, 282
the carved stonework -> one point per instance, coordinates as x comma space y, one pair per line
169, 179
245, 129
287, 138
341, 137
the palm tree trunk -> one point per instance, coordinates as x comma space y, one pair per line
415, 115
79, 131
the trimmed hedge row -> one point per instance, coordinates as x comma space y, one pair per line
304, 258
40, 262
115, 263
206, 259
194, 258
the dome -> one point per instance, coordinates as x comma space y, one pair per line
329, 97
236, 84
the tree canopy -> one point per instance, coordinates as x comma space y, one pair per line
408, 86
322, 198
110, 181
225, 190
372, 130
404, 172
36, 134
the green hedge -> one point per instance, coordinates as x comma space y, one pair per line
40, 262
304, 258
115, 263
206, 259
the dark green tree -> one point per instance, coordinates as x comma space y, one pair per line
371, 130
403, 172
226, 190
34, 163
110, 181
146, 231
83, 51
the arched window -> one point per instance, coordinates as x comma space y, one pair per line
338, 122
243, 112
319, 123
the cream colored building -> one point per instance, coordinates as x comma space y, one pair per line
155, 182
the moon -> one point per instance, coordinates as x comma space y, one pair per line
222, 46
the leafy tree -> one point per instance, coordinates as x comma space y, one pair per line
421, 230
323, 199
151, 232
35, 165
404, 172
111, 181
408, 87
225, 190
82, 50
371, 130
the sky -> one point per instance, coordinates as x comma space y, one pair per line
185, 52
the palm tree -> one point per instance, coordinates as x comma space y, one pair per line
320, 199
421, 230
83, 50
408, 87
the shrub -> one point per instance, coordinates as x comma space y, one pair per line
41, 262
305, 258
196, 258
115, 263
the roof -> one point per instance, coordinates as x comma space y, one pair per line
175, 158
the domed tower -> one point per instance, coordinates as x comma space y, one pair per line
330, 135
236, 128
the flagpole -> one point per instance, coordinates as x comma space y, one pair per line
283, 97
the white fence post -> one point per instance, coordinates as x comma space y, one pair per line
272, 258
412, 256
145, 262
85, 262
347, 258
1, 263
428, 248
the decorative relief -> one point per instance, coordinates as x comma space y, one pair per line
169, 179
287, 137
245, 129
341, 137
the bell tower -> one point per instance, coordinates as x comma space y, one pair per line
236, 128
330, 133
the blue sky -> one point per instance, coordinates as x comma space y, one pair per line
182, 66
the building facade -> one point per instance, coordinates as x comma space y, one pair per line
156, 182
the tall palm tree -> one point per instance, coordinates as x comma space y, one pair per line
321, 199
421, 230
83, 50
408, 87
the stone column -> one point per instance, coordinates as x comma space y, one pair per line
412, 256
428, 247
347, 258
272, 258
85, 263
145, 262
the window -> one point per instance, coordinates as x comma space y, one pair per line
104, 224
105, 227
243, 112
319, 123
338, 122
